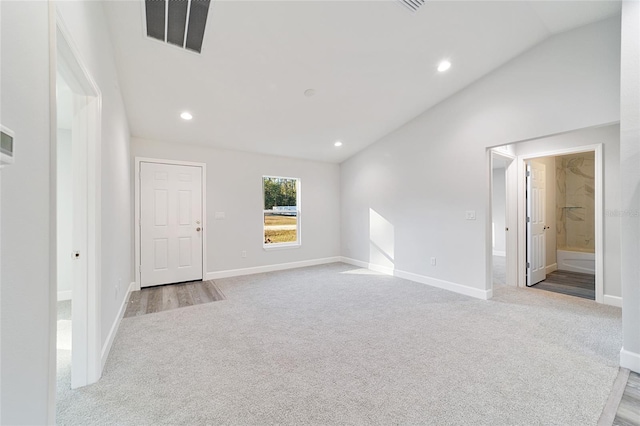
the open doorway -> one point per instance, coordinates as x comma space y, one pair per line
76, 173
503, 215
560, 221
561, 237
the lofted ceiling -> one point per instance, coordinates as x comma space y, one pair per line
372, 65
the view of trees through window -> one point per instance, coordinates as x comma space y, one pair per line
280, 210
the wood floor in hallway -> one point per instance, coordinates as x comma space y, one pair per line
172, 296
571, 283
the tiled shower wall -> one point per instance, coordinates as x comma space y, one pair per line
575, 202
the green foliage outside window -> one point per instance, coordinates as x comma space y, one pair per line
279, 192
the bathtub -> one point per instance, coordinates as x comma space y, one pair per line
576, 261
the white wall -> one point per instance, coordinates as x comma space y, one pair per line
24, 73
64, 218
498, 210
28, 376
88, 27
234, 186
424, 176
609, 136
630, 177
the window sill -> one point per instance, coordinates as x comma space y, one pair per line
281, 246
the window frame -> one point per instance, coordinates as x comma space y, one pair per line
285, 245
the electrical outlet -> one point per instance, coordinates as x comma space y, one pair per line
243, 253
433, 261
470, 215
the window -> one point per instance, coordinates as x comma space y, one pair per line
281, 212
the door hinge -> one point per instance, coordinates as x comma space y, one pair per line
528, 265
528, 219
528, 173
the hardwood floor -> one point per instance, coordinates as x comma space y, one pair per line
172, 296
628, 413
571, 283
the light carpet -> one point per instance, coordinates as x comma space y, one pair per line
335, 344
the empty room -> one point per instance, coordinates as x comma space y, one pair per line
319, 212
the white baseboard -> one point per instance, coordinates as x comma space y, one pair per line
422, 279
499, 253
612, 300
551, 268
270, 268
64, 295
630, 360
114, 327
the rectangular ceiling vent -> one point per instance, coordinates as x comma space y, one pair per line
412, 5
178, 22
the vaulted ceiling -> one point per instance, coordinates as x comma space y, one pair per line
372, 65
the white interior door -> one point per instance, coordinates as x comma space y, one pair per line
170, 223
536, 241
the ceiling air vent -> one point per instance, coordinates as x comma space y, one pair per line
412, 5
178, 22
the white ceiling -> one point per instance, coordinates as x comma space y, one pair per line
372, 65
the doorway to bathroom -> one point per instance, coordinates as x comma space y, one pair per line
561, 222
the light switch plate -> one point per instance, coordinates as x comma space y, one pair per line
220, 215
470, 215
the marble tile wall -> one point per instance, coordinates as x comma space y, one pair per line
575, 202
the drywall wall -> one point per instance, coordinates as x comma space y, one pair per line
234, 186
609, 136
88, 28
64, 205
630, 178
425, 176
550, 209
24, 73
498, 211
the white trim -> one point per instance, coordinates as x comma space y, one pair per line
86, 368
65, 295
366, 265
114, 327
136, 222
511, 240
612, 300
551, 268
630, 360
599, 210
280, 246
422, 279
270, 268
298, 242
500, 253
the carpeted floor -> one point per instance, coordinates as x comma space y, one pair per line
335, 344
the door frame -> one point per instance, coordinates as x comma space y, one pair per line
137, 245
599, 211
511, 237
86, 365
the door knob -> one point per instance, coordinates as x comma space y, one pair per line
198, 229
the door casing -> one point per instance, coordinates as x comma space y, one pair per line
137, 245
86, 365
599, 211
510, 217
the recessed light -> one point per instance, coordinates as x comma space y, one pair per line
186, 116
309, 93
443, 66
338, 143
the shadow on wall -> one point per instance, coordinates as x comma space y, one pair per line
381, 241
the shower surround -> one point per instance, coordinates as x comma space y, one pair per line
575, 202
